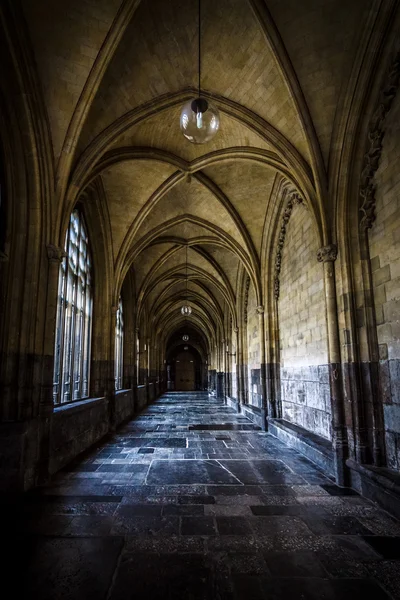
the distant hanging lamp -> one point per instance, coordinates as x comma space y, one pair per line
199, 117
186, 310
185, 337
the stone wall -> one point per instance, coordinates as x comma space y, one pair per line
76, 427
305, 390
384, 239
141, 396
253, 349
124, 406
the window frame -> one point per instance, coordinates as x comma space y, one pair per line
74, 321
119, 346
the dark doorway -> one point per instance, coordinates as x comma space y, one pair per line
185, 372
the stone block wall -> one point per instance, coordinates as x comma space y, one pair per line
75, 428
141, 395
384, 240
124, 406
305, 390
253, 349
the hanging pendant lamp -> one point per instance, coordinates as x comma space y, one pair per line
186, 310
199, 117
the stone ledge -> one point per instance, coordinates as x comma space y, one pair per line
379, 484
314, 447
232, 402
122, 392
255, 414
79, 405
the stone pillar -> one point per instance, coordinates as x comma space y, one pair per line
110, 384
55, 256
238, 380
370, 406
221, 385
327, 255
263, 374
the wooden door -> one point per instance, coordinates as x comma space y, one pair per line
185, 372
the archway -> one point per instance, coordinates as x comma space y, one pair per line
185, 373
185, 369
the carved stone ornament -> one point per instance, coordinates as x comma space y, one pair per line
236, 329
327, 253
55, 253
376, 133
260, 310
294, 199
246, 297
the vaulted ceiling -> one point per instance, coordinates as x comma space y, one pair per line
114, 75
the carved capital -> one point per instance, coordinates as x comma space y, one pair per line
327, 253
236, 329
55, 254
260, 310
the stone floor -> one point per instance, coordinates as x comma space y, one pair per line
191, 501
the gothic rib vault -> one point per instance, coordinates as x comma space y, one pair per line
268, 213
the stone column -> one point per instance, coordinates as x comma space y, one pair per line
327, 255
221, 371
263, 374
55, 255
110, 385
238, 380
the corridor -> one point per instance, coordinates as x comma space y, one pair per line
192, 501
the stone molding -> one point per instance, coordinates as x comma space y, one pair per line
327, 253
294, 199
246, 298
260, 310
376, 133
55, 253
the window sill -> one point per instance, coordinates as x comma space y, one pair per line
79, 405
124, 391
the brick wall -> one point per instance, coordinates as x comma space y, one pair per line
303, 336
384, 239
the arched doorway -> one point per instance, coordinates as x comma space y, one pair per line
185, 371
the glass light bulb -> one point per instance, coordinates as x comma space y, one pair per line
199, 120
186, 310
185, 338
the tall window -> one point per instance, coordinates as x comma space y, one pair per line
119, 346
74, 316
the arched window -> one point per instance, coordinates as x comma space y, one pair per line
119, 346
74, 316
